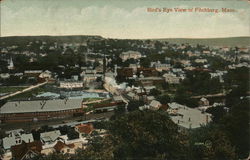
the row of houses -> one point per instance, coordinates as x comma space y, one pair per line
19, 145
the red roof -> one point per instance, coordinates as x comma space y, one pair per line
60, 145
19, 151
85, 128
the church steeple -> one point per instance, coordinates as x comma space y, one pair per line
11, 64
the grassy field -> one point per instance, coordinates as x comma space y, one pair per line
34, 92
10, 89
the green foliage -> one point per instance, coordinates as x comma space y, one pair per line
146, 135
210, 143
217, 112
236, 125
163, 99
154, 92
199, 83
134, 105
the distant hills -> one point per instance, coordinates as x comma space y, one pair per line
60, 39
230, 42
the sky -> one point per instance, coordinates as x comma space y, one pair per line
123, 19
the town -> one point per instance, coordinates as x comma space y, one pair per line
67, 95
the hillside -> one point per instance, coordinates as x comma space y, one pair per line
61, 39
231, 41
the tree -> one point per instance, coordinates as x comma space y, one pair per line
163, 99
154, 92
72, 134
217, 112
210, 143
134, 105
146, 135
236, 125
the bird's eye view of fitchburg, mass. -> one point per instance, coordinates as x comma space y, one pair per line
116, 80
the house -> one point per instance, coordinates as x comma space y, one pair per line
130, 55
162, 67
63, 148
84, 129
16, 137
206, 52
46, 75
125, 72
167, 60
49, 137
69, 84
203, 102
200, 61
134, 67
171, 78
147, 72
33, 73
155, 105
4, 75
26, 151
150, 98
132, 96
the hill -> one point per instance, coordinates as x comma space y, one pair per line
61, 39
230, 42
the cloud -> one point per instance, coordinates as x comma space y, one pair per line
120, 22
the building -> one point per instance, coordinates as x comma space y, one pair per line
16, 137
20, 111
162, 67
50, 137
26, 151
33, 73
171, 78
84, 129
11, 64
63, 148
4, 75
155, 105
188, 118
111, 86
46, 75
70, 84
106, 107
130, 55
203, 102
200, 61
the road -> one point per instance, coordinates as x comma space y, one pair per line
24, 90
210, 95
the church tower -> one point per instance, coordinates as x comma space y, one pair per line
11, 64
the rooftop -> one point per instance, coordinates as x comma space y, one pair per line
40, 106
50, 136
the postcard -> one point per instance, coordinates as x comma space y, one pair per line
124, 80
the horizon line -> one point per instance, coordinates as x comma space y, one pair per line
45, 35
